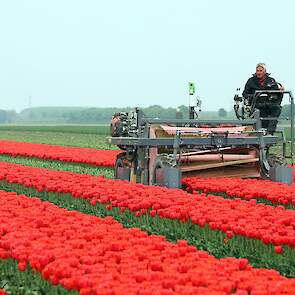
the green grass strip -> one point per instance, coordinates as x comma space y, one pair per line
60, 165
58, 138
28, 282
215, 242
80, 129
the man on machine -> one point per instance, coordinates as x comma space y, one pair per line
261, 80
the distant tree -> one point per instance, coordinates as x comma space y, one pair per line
11, 116
7, 116
154, 111
286, 109
184, 110
94, 115
32, 114
3, 116
72, 117
222, 113
178, 114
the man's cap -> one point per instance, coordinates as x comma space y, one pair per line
261, 65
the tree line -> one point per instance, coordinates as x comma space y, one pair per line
72, 115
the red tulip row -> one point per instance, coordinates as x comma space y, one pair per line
271, 225
275, 192
61, 153
98, 256
2, 292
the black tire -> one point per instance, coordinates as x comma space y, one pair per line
276, 160
161, 162
122, 161
273, 160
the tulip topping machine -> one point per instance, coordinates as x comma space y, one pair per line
160, 151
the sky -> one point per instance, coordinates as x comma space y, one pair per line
97, 53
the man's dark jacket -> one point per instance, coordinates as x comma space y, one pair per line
253, 84
271, 109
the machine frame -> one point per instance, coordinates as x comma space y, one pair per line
137, 147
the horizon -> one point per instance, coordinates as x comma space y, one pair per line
114, 54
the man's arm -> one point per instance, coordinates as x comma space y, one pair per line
276, 85
280, 86
248, 91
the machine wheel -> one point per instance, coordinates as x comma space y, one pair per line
276, 160
160, 163
122, 167
273, 160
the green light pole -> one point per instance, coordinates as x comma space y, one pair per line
192, 90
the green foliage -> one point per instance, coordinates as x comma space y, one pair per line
58, 138
60, 165
288, 132
27, 282
83, 129
286, 110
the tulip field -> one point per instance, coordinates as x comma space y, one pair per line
67, 154
67, 227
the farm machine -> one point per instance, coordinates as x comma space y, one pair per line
160, 151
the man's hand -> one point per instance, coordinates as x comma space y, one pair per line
281, 87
